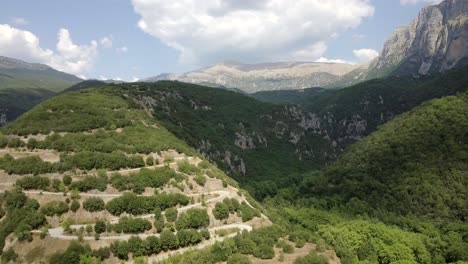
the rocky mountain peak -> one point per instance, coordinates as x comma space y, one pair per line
437, 40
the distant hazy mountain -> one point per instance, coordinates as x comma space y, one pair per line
19, 74
264, 77
24, 85
435, 41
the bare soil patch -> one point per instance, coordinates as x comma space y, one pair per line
298, 252
39, 250
44, 154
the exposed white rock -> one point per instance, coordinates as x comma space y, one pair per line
437, 40
266, 76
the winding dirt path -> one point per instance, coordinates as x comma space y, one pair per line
58, 231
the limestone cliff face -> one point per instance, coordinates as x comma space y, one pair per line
436, 41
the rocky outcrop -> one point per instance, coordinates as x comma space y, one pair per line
436, 41
3, 118
252, 78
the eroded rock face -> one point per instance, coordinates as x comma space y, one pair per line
436, 41
3, 118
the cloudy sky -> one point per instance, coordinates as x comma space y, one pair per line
131, 39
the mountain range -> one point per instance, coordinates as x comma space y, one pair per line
265, 76
239, 163
330, 172
435, 41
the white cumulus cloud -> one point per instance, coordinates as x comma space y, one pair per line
323, 59
310, 52
413, 2
365, 55
22, 44
106, 42
212, 31
68, 57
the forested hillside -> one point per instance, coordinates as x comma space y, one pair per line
415, 165
289, 96
92, 166
15, 102
24, 85
377, 191
400, 194
350, 114
252, 140
259, 143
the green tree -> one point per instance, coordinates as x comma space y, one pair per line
75, 205
193, 218
152, 245
136, 247
312, 258
238, 259
264, 251
169, 241
100, 226
67, 180
221, 211
171, 214
93, 204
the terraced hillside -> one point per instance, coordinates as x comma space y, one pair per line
257, 143
87, 175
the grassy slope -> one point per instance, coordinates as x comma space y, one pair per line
51, 80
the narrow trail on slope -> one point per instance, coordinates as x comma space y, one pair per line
58, 231
124, 172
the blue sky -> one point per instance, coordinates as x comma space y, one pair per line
141, 38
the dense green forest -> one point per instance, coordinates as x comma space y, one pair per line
372, 103
258, 143
416, 164
249, 139
397, 196
15, 102
289, 96
400, 194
